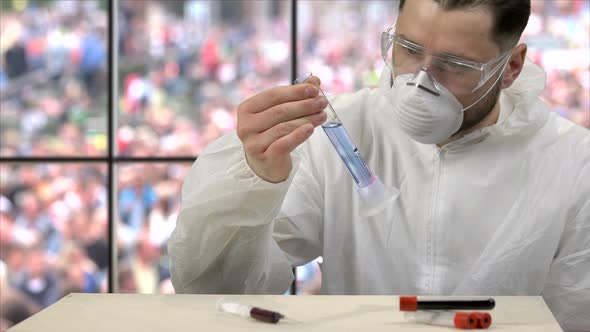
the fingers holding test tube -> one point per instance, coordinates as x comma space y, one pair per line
274, 122
296, 113
309, 78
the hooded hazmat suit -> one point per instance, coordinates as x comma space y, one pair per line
504, 210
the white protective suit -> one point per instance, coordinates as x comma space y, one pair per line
504, 210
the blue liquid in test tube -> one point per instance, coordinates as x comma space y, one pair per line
375, 195
349, 154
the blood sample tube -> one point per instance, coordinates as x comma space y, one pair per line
412, 303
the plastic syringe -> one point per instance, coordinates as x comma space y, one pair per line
247, 311
374, 193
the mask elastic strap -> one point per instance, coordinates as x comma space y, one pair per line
490, 88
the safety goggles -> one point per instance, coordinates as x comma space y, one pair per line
460, 76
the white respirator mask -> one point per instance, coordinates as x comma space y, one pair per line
426, 111
424, 108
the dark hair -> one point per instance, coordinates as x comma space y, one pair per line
510, 17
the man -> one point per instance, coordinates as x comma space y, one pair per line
494, 191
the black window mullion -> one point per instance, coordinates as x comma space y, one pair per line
112, 40
293, 43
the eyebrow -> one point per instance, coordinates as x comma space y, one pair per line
460, 56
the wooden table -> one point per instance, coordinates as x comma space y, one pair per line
135, 312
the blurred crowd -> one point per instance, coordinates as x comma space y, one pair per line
183, 68
53, 79
53, 227
54, 224
182, 76
148, 204
558, 36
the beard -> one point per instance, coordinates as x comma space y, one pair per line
478, 112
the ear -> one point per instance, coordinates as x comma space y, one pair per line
514, 66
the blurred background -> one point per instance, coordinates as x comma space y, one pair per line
183, 67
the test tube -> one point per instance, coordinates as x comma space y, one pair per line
373, 192
412, 303
460, 320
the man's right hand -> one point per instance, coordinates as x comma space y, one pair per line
274, 122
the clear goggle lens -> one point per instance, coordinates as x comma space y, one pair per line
459, 76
